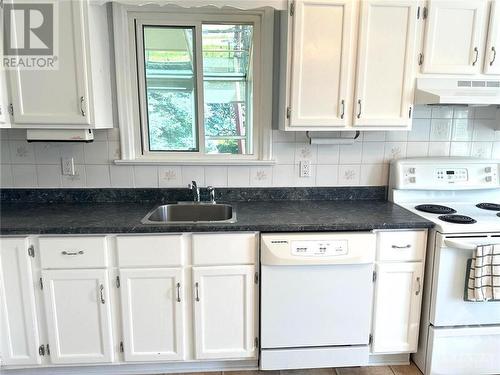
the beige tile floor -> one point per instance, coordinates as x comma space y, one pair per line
372, 370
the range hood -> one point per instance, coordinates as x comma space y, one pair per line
457, 91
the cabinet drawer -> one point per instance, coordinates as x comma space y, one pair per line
73, 252
152, 251
227, 248
401, 246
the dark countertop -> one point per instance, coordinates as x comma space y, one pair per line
269, 216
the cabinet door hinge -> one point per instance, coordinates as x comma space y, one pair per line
11, 109
41, 283
118, 281
409, 112
370, 339
424, 13
121, 346
288, 112
418, 13
41, 350
292, 8
374, 276
256, 278
256, 343
31, 251
420, 58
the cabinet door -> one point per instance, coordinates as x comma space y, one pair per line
152, 308
19, 332
386, 63
492, 57
4, 115
454, 37
322, 50
224, 312
78, 316
398, 296
56, 96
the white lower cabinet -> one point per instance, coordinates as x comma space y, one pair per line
19, 339
398, 296
152, 305
399, 277
78, 313
224, 312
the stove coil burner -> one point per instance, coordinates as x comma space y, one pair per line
489, 206
435, 209
457, 219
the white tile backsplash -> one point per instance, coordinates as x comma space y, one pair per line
49, 176
97, 176
121, 176
437, 131
24, 175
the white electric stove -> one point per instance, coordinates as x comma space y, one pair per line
462, 197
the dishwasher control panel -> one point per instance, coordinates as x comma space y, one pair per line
318, 248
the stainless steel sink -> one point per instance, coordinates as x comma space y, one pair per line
191, 212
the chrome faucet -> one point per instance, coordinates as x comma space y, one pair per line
196, 191
211, 192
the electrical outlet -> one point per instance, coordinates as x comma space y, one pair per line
68, 166
305, 168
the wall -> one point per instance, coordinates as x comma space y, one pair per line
437, 131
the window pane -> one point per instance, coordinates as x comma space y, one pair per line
171, 88
227, 90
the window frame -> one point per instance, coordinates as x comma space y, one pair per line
128, 26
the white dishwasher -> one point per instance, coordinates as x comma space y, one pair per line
316, 299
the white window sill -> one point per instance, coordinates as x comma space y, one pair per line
194, 162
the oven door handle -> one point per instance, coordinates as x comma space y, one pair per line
465, 245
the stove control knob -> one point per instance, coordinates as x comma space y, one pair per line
487, 169
488, 179
411, 170
412, 180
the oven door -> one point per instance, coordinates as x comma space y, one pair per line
448, 307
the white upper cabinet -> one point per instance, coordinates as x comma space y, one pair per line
454, 37
18, 324
492, 55
77, 94
224, 312
78, 314
386, 63
321, 62
152, 310
398, 296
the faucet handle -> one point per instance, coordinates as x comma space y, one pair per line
211, 192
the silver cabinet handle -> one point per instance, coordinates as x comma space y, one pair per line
359, 108
476, 50
197, 298
72, 253
493, 49
342, 103
401, 247
419, 286
101, 289
178, 292
82, 105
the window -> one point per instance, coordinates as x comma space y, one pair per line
203, 84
